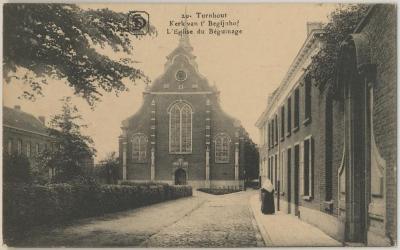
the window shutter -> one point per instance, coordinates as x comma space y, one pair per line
283, 164
311, 168
301, 174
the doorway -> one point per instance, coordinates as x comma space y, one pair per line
296, 167
180, 177
289, 178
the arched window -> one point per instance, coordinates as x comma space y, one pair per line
28, 149
222, 143
180, 128
139, 147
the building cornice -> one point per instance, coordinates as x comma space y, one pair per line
307, 48
24, 130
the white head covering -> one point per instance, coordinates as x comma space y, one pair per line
268, 185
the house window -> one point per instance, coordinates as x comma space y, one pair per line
282, 122
296, 108
308, 168
180, 128
307, 99
271, 168
9, 147
28, 149
37, 148
265, 134
272, 134
269, 135
222, 143
139, 146
289, 116
19, 147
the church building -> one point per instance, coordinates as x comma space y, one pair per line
180, 135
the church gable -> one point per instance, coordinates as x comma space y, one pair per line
181, 72
181, 126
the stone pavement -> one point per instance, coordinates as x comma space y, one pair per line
222, 221
282, 229
203, 220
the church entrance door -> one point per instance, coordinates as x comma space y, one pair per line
180, 177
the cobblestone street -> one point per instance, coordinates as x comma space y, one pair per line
200, 221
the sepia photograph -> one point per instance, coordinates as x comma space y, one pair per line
199, 125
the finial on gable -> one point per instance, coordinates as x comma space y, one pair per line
184, 40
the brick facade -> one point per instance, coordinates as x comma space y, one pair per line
352, 200
208, 120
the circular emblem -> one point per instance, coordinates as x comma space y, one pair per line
181, 75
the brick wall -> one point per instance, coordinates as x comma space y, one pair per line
381, 31
336, 148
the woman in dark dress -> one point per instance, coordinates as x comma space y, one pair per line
267, 198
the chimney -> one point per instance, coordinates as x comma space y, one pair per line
17, 107
313, 26
42, 119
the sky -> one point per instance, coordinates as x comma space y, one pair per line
245, 68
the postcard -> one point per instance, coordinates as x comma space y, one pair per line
206, 125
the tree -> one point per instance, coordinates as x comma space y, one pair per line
16, 168
342, 22
251, 157
109, 167
71, 148
59, 41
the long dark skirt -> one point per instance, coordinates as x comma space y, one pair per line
267, 202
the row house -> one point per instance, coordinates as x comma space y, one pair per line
25, 134
330, 148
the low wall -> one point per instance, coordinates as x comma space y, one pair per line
198, 183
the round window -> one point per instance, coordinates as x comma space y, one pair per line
181, 75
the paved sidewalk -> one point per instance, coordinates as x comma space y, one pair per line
282, 229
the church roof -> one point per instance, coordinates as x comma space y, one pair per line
21, 120
181, 59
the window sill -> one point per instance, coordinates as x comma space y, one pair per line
139, 162
180, 153
282, 138
307, 198
295, 129
288, 134
307, 121
221, 162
